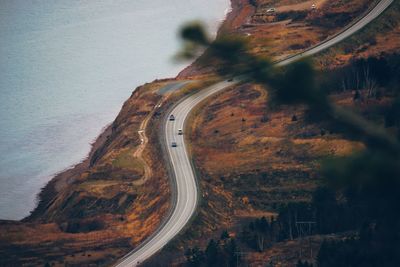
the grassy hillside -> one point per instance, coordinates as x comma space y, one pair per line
255, 160
252, 158
101, 209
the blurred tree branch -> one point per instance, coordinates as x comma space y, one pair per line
369, 180
293, 84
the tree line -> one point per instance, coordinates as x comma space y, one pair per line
221, 252
368, 182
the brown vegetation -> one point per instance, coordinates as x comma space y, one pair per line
97, 212
292, 28
250, 156
376, 40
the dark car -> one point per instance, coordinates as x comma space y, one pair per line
174, 144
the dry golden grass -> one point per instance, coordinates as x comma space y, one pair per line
126, 160
251, 158
380, 38
105, 192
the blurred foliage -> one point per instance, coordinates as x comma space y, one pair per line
369, 180
292, 84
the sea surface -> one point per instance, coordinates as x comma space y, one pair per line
66, 67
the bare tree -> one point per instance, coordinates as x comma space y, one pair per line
369, 82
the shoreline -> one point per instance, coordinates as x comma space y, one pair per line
65, 177
232, 21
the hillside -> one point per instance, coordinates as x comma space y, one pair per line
105, 206
251, 158
254, 159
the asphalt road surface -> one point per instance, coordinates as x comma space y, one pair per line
186, 189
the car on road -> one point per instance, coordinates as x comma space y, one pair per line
182, 214
172, 117
180, 132
313, 6
174, 144
270, 10
230, 80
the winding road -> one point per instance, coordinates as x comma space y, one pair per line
186, 191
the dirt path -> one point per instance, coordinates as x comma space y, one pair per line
143, 142
301, 6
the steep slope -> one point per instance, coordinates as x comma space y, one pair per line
253, 158
102, 208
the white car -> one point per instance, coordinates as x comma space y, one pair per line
180, 132
314, 6
271, 10
171, 118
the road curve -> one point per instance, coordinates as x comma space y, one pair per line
185, 182
340, 36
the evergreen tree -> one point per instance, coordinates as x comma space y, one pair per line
194, 257
224, 235
212, 253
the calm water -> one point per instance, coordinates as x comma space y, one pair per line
65, 69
